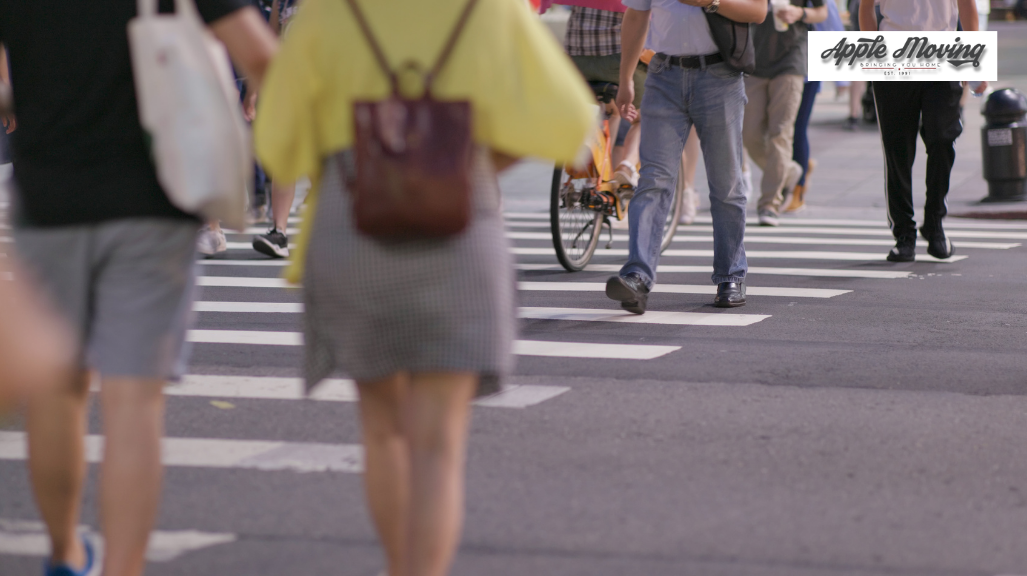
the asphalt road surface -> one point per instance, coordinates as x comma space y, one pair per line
855, 418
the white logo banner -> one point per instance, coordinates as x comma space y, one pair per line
904, 56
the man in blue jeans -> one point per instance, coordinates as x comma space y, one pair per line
688, 84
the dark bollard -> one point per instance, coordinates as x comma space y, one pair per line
1004, 146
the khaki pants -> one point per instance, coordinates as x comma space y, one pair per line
768, 130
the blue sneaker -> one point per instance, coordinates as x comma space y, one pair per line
65, 570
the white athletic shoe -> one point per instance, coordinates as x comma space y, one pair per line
211, 243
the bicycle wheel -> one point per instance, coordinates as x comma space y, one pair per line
670, 227
575, 228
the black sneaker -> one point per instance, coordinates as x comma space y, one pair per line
273, 243
938, 245
904, 250
630, 290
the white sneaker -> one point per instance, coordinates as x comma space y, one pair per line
768, 217
792, 175
689, 206
211, 243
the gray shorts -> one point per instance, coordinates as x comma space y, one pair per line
125, 287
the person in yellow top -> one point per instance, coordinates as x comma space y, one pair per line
422, 326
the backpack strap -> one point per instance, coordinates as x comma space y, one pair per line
450, 44
376, 49
383, 63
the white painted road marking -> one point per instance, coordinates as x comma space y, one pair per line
770, 271
268, 262
808, 222
651, 317
242, 282
521, 347
258, 307
663, 269
683, 289
334, 390
813, 255
29, 538
218, 453
766, 239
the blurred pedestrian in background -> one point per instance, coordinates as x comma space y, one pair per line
422, 324
930, 108
275, 242
775, 93
94, 227
35, 348
800, 145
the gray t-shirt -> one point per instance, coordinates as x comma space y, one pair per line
779, 53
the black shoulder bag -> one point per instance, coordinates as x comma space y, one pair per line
734, 40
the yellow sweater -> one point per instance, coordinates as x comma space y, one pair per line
528, 99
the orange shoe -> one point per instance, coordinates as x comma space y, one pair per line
798, 200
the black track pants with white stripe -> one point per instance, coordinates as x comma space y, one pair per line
903, 109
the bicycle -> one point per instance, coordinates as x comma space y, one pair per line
584, 200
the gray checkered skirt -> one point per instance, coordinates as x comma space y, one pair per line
374, 308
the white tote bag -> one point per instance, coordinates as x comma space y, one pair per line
189, 105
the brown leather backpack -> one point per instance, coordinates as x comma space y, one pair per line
413, 156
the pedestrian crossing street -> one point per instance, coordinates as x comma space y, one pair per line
245, 309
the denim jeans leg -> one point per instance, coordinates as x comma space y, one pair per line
717, 107
665, 126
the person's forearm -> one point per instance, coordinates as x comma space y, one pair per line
632, 40
867, 16
745, 11
968, 15
249, 41
816, 15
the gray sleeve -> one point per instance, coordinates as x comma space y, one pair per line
638, 4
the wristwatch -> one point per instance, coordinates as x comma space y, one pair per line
712, 7
803, 19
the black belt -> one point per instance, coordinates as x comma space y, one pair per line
691, 61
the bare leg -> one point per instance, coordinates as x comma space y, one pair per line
856, 92
631, 142
282, 197
387, 464
56, 428
436, 421
691, 156
130, 483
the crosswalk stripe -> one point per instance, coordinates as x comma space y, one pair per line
758, 270
221, 453
650, 317
965, 230
290, 308
684, 289
273, 263
527, 215
246, 245
759, 239
949, 223
29, 538
663, 269
789, 255
680, 318
242, 282
521, 347
334, 390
